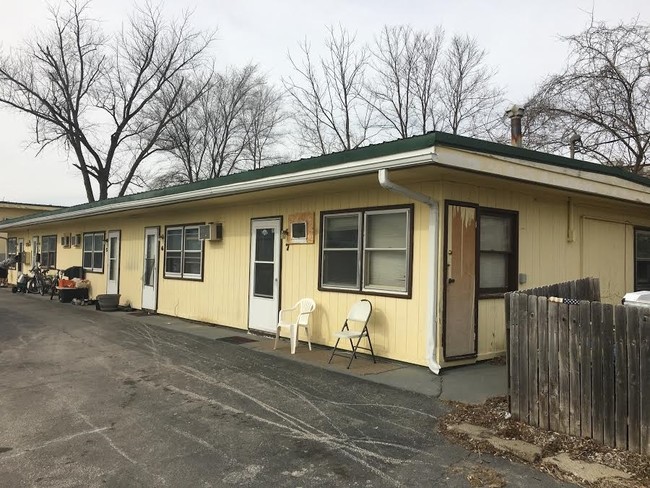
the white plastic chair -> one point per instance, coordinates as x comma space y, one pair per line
360, 314
304, 307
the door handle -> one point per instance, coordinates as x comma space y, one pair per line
451, 280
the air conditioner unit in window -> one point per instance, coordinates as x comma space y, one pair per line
65, 241
211, 232
75, 240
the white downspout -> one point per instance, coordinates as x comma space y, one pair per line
432, 280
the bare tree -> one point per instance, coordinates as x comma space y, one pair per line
231, 128
331, 111
603, 95
106, 99
468, 98
405, 65
263, 117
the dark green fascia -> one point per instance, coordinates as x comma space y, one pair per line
368, 152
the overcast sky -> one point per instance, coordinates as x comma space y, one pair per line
522, 39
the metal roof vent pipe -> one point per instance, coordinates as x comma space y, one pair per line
515, 113
574, 140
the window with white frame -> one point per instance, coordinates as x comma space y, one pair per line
367, 250
12, 248
93, 252
183, 252
48, 251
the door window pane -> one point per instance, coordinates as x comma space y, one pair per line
264, 244
113, 247
111, 269
263, 280
150, 261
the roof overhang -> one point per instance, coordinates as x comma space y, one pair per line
396, 161
571, 179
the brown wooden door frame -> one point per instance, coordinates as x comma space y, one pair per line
447, 277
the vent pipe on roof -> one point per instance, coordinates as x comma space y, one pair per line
515, 113
574, 140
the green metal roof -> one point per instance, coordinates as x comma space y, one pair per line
368, 152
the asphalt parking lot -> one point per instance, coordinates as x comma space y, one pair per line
91, 398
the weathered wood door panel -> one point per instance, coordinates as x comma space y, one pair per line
460, 317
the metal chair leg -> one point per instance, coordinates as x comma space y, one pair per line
334, 350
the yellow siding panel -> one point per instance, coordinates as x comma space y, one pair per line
602, 245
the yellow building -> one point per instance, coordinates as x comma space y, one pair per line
11, 210
432, 230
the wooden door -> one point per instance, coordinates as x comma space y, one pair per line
460, 305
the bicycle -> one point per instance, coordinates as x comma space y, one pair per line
40, 282
54, 286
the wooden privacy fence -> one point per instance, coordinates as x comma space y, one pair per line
581, 369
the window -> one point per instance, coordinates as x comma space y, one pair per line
498, 251
93, 252
367, 250
12, 248
641, 259
183, 252
299, 232
48, 251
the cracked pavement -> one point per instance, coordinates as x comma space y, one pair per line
91, 398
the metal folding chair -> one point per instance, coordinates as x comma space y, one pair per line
360, 314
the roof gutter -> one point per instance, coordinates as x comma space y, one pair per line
432, 279
412, 158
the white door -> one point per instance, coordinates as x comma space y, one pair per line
113, 284
35, 252
264, 300
150, 277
